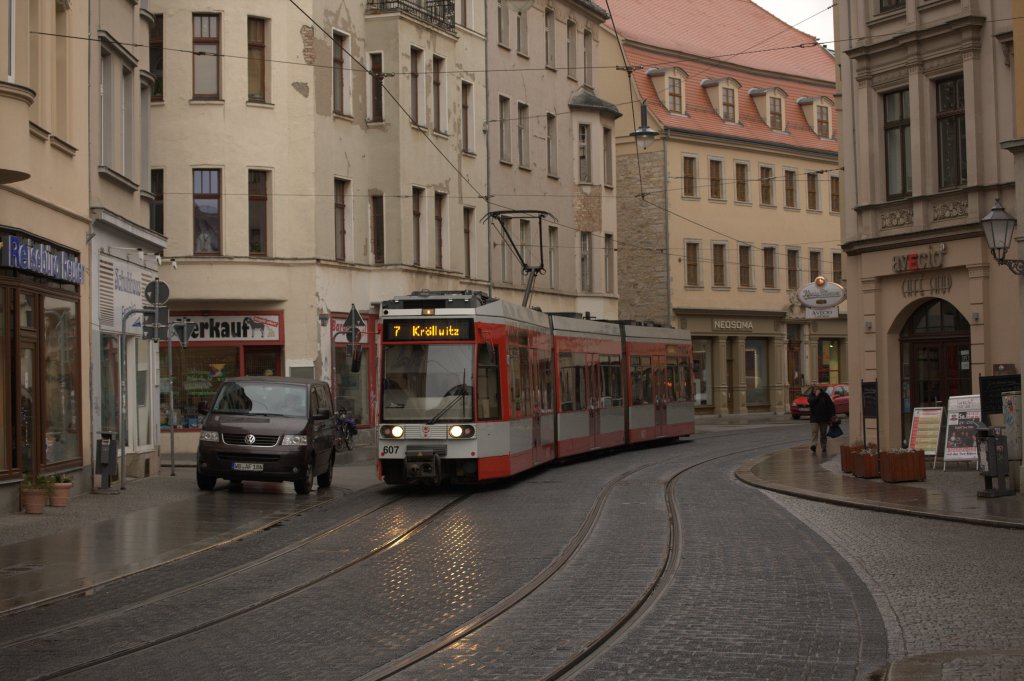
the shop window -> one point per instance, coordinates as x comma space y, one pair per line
60, 375
828, 360
756, 360
351, 388
198, 372
702, 358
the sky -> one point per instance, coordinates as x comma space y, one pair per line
794, 13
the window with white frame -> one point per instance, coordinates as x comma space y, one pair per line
206, 56
742, 184
588, 58
467, 117
729, 104
789, 181
522, 34
467, 240
767, 185
206, 211
718, 273
342, 197
440, 215
570, 49
549, 38
609, 263
438, 95
257, 59
341, 103
815, 264
675, 95
583, 147
768, 260
504, 132
775, 120
693, 264
523, 135
792, 268
716, 189
503, 23
259, 213
586, 263
837, 267
690, 176
812, 191
553, 257
608, 149
376, 82
417, 223
745, 266
415, 86
552, 145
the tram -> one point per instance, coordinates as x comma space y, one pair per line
472, 388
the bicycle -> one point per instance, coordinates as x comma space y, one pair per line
347, 429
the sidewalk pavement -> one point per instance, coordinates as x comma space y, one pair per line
99, 537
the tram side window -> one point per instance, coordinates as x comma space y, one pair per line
571, 381
546, 380
643, 388
515, 380
672, 380
686, 380
611, 380
525, 396
488, 383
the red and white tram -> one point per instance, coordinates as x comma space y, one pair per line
473, 388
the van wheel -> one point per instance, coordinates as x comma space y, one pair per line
304, 485
323, 481
206, 482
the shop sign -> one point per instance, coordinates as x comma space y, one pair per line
221, 328
23, 253
733, 325
827, 313
821, 294
914, 262
923, 285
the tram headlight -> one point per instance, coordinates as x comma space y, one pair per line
461, 432
392, 431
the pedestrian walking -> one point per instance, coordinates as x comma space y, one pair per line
822, 413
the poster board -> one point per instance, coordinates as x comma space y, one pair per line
926, 430
961, 428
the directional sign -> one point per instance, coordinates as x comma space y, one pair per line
354, 318
157, 292
155, 324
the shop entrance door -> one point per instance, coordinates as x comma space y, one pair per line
935, 349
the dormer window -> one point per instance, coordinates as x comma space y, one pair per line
775, 113
675, 95
771, 106
818, 113
721, 93
670, 84
729, 104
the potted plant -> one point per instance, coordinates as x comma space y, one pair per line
60, 491
34, 490
865, 463
901, 465
847, 454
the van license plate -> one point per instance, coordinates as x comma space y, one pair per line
238, 466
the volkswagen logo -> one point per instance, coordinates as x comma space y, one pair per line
250, 439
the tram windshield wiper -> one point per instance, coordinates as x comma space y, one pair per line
461, 399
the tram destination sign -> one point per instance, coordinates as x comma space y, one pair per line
425, 330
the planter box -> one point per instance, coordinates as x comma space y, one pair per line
865, 464
846, 454
902, 466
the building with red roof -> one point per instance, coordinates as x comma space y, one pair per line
734, 206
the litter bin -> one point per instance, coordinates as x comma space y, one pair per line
105, 459
993, 462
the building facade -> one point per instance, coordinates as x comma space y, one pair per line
124, 246
734, 208
550, 149
44, 255
924, 100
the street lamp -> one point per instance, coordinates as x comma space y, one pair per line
643, 135
999, 227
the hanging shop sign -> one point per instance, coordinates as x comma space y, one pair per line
821, 294
21, 252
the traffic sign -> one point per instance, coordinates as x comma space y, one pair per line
155, 323
354, 318
157, 292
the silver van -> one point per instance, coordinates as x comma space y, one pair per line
268, 428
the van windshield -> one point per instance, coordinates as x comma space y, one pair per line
262, 399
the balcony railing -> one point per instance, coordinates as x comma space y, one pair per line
439, 13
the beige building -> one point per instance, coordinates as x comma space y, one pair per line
44, 254
925, 104
340, 163
550, 149
123, 244
734, 208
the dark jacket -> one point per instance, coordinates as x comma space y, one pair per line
822, 409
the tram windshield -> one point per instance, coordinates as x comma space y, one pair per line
431, 382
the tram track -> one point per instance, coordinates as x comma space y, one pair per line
616, 629
44, 637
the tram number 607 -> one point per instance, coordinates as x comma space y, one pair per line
390, 449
